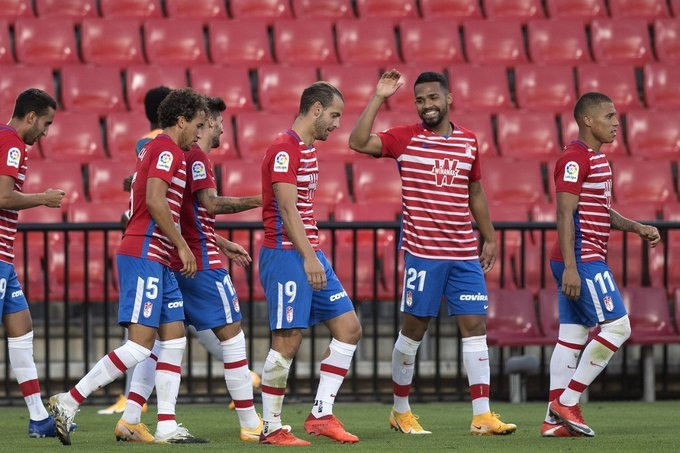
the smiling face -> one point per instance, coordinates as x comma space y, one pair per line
603, 122
329, 119
432, 104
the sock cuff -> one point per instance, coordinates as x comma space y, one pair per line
177, 343
137, 351
475, 344
277, 358
156, 348
235, 340
406, 345
342, 348
16, 341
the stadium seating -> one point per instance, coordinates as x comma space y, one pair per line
74, 9
269, 10
311, 46
480, 124
366, 42
96, 89
16, 79
653, 134
660, 82
246, 281
229, 83
576, 9
502, 184
494, 42
105, 181
279, 87
332, 187
84, 277
360, 272
621, 41
548, 312
65, 175
140, 79
74, 136
206, 10
241, 178
667, 39
45, 42
644, 9
11, 10
96, 212
524, 10
569, 132
356, 83
376, 180
675, 7
511, 319
617, 80
450, 9
322, 9
430, 43
481, 89
111, 42
29, 252
123, 130
527, 135
174, 42
336, 147
649, 314
544, 88
239, 42
394, 10
129, 9
5, 44
41, 214
558, 41
255, 131
642, 181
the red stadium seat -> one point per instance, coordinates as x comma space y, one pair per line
105, 179
279, 87
494, 42
644, 9
480, 124
558, 41
524, 10
74, 136
502, 186
269, 10
231, 84
255, 132
527, 135
675, 7
45, 42
359, 271
246, 281
376, 180
190, 9
92, 89
130, 9
332, 187
676, 303
366, 42
5, 44
242, 42
140, 79
653, 134
85, 212
28, 264
667, 40
368, 211
174, 42
356, 83
394, 10
430, 42
569, 128
639, 211
649, 314
480, 89
241, 178
548, 312
111, 42
511, 319
11, 10
450, 9
123, 130
295, 44
660, 84
649, 181
544, 88
40, 215
74, 9
16, 79
322, 9
618, 81
576, 9
621, 41
65, 175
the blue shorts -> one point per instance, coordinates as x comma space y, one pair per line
149, 294
12, 299
600, 299
210, 300
426, 281
291, 302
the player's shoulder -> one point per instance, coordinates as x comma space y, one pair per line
9, 139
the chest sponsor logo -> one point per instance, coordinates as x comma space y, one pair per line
13, 157
571, 172
445, 171
198, 171
164, 161
281, 162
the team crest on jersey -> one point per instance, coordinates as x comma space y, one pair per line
289, 314
198, 171
13, 157
409, 298
445, 171
281, 162
148, 307
237, 307
571, 172
608, 303
164, 161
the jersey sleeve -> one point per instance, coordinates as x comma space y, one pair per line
200, 172
395, 140
11, 157
570, 172
476, 169
163, 164
283, 161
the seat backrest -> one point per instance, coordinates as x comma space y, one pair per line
367, 211
494, 42
524, 10
123, 130
512, 312
621, 41
295, 44
480, 124
12, 10
322, 9
638, 180
5, 44
376, 180
74, 136
653, 134
66, 175
545, 88
105, 181
617, 80
107, 41
140, 79
174, 42
91, 212
366, 42
243, 42
45, 42
279, 87
558, 41
450, 9
269, 10
480, 89
645, 9
131, 9
576, 9
255, 132
241, 178
95, 89
394, 10
501, 184
648, 310
667, 39
16, 79
548, 312
74, 9
433, 42
232, 84
660, 85
527, 135
356, 83
190, 9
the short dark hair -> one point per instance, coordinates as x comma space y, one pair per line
183, 102
429, 76
587, 102
152, 99
215, 105
33, 100
322, 92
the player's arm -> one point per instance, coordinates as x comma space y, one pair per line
156, 191
480, 211
646, 232
16, 201
216, 204
361, 139
233, 251
567, 203
286, 199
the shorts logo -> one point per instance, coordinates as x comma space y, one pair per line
281, 162
13, 157
608, 303
289, 314
147, 309
338, 296
164, 161
178, 304
198, 171
571, 172
17, 294
409, 298
479, 297
237, 307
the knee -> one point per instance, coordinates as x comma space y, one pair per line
617, 332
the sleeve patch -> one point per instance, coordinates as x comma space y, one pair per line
13, 157
164, 161
281, 162
198, 171
571, 172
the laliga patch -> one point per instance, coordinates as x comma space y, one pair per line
164, 161
198, 171
13, 157
570, 172
281, 162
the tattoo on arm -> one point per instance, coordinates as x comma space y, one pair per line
618, 222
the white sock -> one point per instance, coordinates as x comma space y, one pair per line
476, 361
333, 371
168, 377
274, 381
564, 360
210, 342
141, 386
237, 378
23, 366
403, 366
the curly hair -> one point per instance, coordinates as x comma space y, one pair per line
183, 102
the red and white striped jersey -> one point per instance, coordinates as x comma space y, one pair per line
581, 171
435, 175
13, 163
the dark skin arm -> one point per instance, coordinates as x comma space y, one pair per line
480, 211
566, 207
646, 232
16, 201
